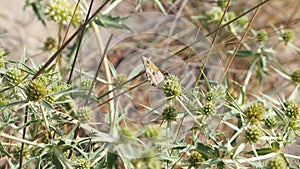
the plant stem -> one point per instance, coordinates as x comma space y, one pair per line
23, 136
22, 140
108, 75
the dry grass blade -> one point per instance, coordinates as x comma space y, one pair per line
123, 91
98, 69
226, 24
53, 57
213, 42
257, 7
23, 136
80, 40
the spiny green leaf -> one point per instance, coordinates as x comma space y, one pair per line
14, 104
239, 149
275, 146
244, 53
37, 8
109, 21
262, 151
112, 161
3, 151
206, 151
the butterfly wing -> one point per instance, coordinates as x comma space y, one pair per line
153, 74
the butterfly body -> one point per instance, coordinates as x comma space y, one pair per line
153, 74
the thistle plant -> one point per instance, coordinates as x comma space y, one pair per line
15, 76
36, 90
253, 134
169, 113
61, 11
277, 162
254, 113
270, 122
287, 35
296, 76
50, 44
151, 132
172, 87
291, 109
84, 114
208, 109
77, 111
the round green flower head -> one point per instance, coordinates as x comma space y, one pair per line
44, 79
50, 99
146, 160
270, 122
230, 93
210, 97
120, 80
277, 162
287, 35
243, 21
295, 76
86, 84
151, 132
294, 124
126, 134
262, 36
172, 87
15, 76
17, 150
169, 113
195, 159
84, 114
83, 164
61, 11
230, 15
253, 134
150, 163
59, 86
36, 90
222, 3
214, 15
209, 109
254, 113
291, 109
50, 44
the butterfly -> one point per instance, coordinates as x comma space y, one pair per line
153, 74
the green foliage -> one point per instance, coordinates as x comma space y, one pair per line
262, 36
50, 44
195, 124
277, 162
172, 87
254, 113
296, 76
109, 21
195, 159
287, 35
36, 6
36, 90
15, 76
253, 134
169, 113
151, 132
83, 114
208, 109
61, 11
